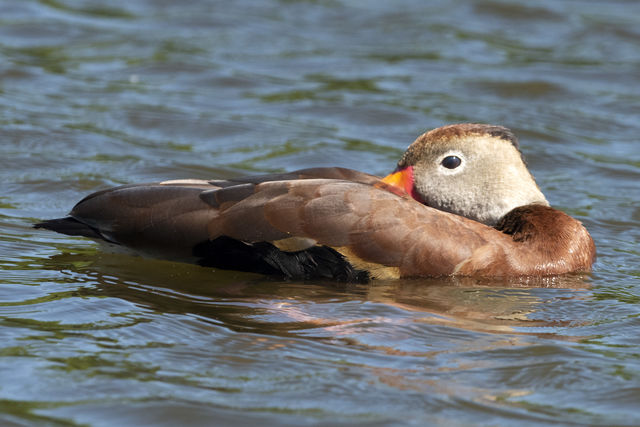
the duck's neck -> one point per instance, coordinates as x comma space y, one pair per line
548, 241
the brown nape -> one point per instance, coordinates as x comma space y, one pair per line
445, 134
553, 242
450, 132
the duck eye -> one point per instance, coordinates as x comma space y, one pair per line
451, 162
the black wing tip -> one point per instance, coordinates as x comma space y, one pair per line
315, 263
69, 226
52, 224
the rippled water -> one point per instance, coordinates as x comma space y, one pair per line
95, 94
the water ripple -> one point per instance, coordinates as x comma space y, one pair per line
97, 95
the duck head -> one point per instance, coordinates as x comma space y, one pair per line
473, 170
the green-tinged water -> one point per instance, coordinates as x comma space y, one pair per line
95, 94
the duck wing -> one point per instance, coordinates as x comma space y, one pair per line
313, 223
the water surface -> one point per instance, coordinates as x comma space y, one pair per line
96, 94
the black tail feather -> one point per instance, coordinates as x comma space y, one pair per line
69, 226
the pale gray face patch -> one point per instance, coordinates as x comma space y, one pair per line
479, 176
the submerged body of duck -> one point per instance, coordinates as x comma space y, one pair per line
461, 202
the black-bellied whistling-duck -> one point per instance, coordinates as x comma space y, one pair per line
461, 202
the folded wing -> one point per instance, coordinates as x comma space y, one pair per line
311, 223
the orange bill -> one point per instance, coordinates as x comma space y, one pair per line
402, 179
